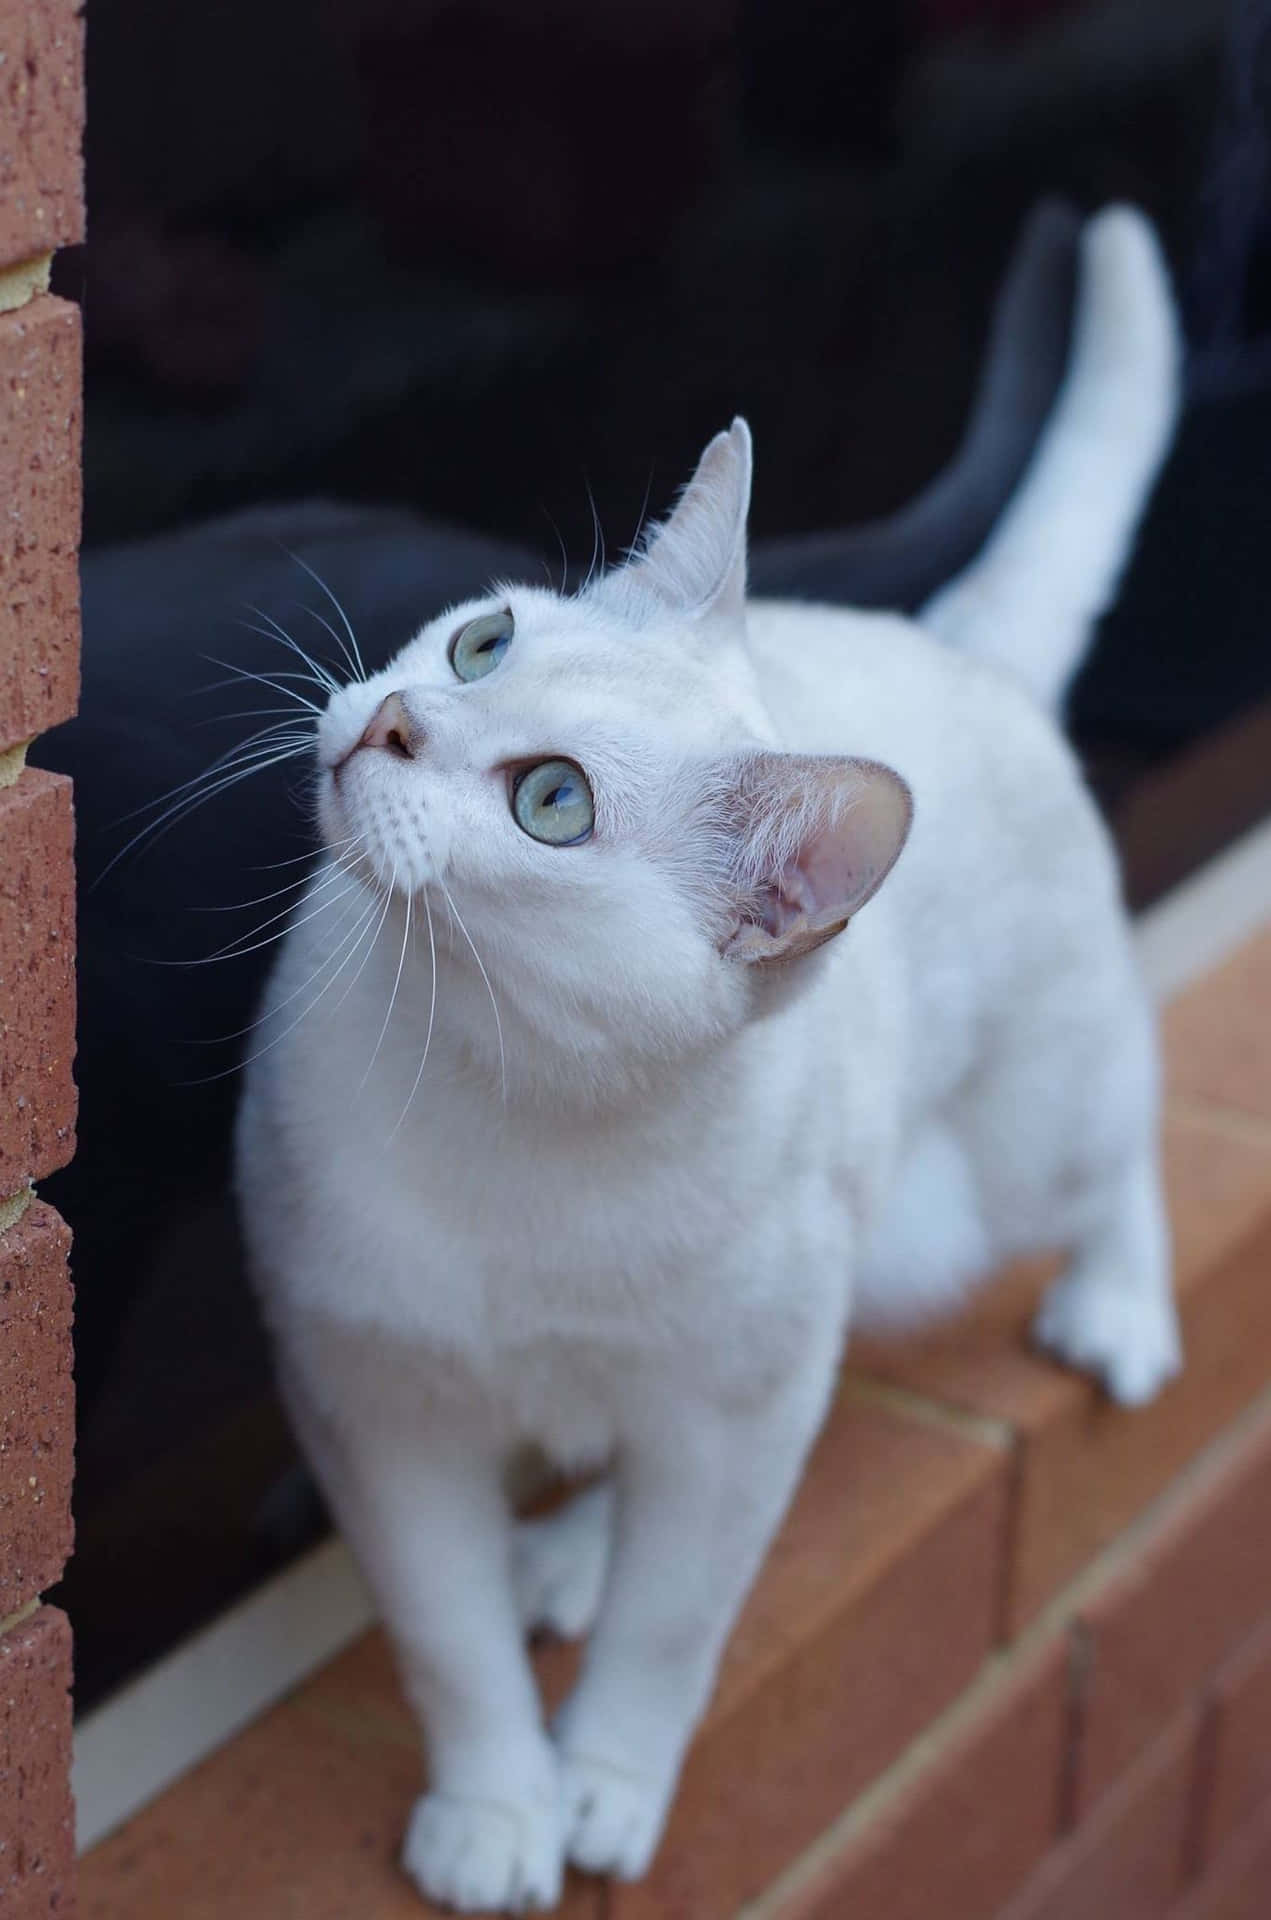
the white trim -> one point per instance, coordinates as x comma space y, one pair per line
206, 1690
128, 1750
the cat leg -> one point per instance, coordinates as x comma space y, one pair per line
1112, 1312
559, 1563
423, 1509
699, 1497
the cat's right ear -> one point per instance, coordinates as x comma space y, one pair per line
694, 563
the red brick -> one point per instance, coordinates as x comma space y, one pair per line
40, 461
1085, 1468
1218, 1035
974, 1823
1236, 1886
1126, 1862
37, 1406
37, 978
303, 1813
1238, 1743
37, 1831
874, 1611
41, 128
876, 1607
1157, 1629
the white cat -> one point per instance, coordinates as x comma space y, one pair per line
584, 1115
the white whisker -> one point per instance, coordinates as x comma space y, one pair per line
564, 557
236, 950
328, 880
319, 581
489, 989
248, 713
155, 829
311, 853
432, 1011
392, 998
239, 906
353, 665
222, 772
322, 674
388, 901
291, 1027
344, 934
265, 739
240, 673
597, 539
263, 680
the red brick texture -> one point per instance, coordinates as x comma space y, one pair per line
1237, 1887
37, 978
1217, 1035
1237, 1745
961, 1837
41, 209
39, 534
37, 1407
1158, 1630
37, 1834
1127, 1862
41, 127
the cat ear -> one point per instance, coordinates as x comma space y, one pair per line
818, 836
695, 562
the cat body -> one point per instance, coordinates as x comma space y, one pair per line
602, 1140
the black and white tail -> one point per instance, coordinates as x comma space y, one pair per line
1051, 565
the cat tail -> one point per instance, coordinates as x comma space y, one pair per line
897, 562
1051, 565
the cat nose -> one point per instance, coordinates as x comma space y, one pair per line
392, 727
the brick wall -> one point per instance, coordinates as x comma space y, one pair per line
41, 208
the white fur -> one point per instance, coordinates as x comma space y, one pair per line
631, 1216
1080, 498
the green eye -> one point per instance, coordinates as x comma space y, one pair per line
478, 648
552, 802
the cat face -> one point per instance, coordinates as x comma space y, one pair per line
592, 785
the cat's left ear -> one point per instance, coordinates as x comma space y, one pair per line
695, 562
816, 838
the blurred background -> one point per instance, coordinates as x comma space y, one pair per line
509, 266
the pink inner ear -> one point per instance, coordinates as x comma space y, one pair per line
839, 865
849, 845
792, 899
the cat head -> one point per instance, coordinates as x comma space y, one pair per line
591, 786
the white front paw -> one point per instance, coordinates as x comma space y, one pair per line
613, 1819
1128, 1339
484, 1857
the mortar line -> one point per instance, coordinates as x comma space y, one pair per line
931, 1412
12, 1620
20, 283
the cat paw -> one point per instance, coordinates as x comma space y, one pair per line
559, 1564
479, 1857
613, 1819
1128, 1340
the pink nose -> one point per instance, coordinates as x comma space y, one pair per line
392, 727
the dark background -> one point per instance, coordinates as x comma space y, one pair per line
512, 264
